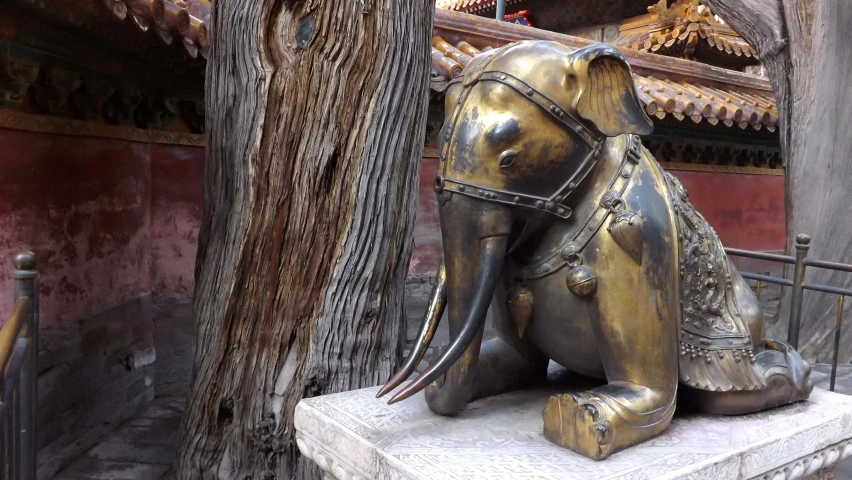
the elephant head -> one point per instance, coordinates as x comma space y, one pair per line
519, 138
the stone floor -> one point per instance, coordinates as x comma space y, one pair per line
143, 448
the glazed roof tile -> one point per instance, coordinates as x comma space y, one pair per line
464, 5
184, 21
683, 29
682, 100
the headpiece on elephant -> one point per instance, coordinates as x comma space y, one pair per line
515, 116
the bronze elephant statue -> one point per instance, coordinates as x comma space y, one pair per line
589, 255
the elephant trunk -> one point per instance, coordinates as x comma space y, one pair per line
472, 231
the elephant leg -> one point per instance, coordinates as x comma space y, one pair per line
501, 368
787, 378
636, 404
635, 323
786, 374
607, 419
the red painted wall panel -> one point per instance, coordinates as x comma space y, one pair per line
747, 211
176, 211
108, 219
427, 228
82, 204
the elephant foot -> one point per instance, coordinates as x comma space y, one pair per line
596, 425
786, 376
500, 369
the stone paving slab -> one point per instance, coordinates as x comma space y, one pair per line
124, 451
140, 449
88, 468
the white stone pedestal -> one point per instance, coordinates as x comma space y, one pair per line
353, 436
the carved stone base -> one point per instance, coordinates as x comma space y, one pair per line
354, 436
824, 474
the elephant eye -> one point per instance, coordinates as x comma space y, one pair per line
507, 158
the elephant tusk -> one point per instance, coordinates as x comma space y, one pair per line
492, 253
427, 331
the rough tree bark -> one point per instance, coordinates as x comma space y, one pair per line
316, 111
804, 46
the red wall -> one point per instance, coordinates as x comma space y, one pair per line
427, 228
108, 219
747, 211
176, 210
82, 205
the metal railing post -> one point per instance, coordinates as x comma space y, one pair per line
802, 245
837, 328
757, 290
26, 285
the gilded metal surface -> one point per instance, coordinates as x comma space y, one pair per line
716, 350
521, 303
542, 172
626, 230
582, 281
583, 230
708, 310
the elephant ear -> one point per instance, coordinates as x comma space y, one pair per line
607, 95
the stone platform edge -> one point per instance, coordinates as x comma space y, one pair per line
323, 445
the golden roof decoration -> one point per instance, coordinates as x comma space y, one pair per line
685, 29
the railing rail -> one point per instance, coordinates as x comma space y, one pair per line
800, 262
18, 375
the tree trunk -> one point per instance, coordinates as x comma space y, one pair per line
316, 113
804, 45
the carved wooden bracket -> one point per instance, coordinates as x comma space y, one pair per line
53, 88
709, 154
193, 115
16, 76
87, 102
155, 112
119, 107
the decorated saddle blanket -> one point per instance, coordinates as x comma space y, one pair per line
716, 351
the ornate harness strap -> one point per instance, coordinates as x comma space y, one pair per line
552, 204
609, 203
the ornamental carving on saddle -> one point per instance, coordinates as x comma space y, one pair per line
589, 254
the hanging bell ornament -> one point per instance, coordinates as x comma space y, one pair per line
582, 281
519, 301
